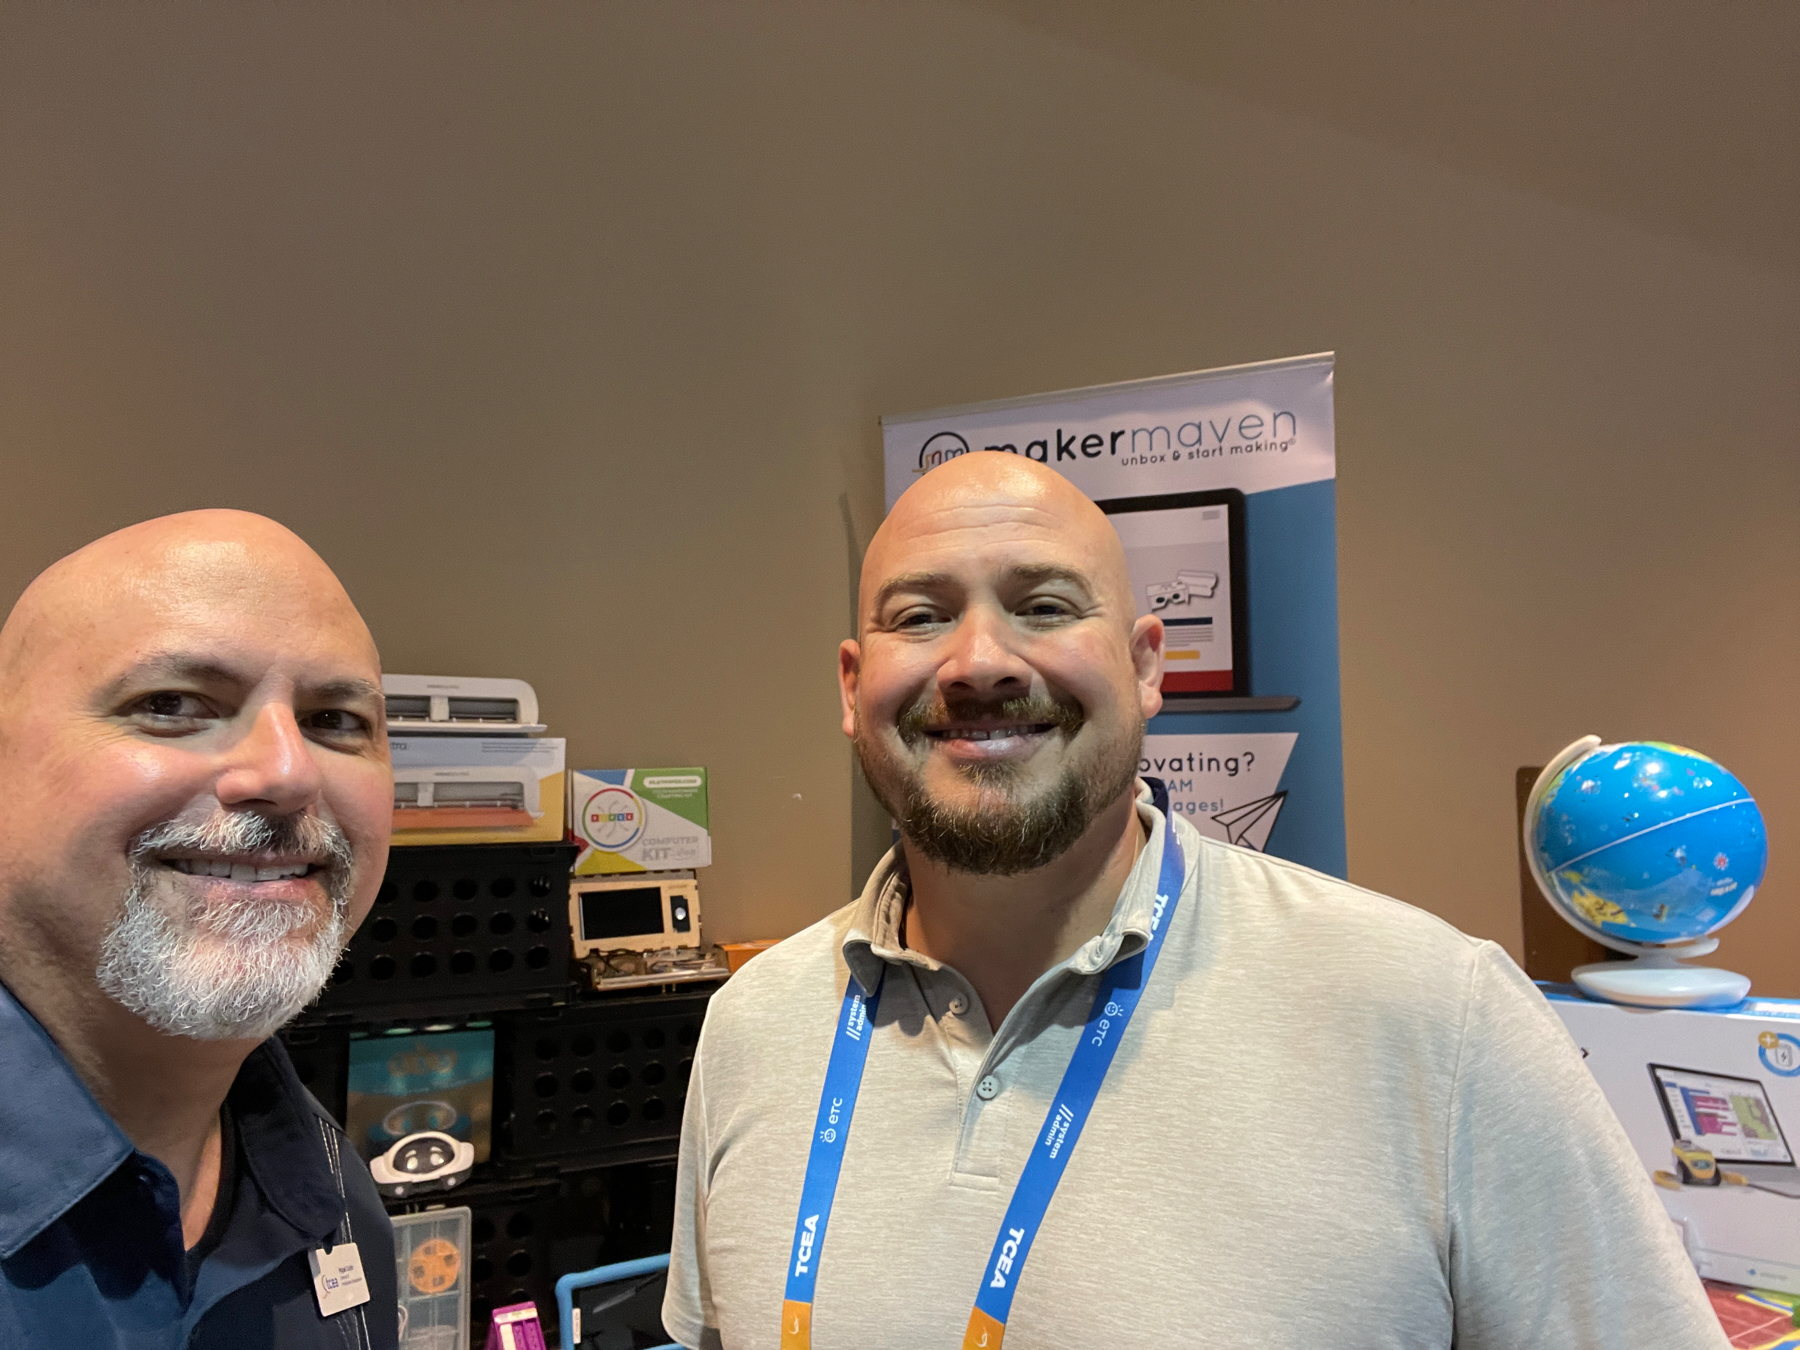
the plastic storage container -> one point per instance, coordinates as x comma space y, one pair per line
432, 1273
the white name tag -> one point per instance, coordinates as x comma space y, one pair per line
338, 1281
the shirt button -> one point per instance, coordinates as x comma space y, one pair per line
958, 1005
988, 1088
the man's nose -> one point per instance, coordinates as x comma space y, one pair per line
982, 656
272, 767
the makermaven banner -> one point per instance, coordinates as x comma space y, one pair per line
1221, 483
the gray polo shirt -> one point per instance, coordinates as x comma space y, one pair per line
1334, 1121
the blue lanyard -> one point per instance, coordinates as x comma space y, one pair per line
1121, 986
837, 1102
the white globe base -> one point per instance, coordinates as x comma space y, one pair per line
1660, 981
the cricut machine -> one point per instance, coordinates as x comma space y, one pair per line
460, 705
469, 765
465, 797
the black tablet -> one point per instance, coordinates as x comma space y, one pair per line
1186, 554
1731, 1118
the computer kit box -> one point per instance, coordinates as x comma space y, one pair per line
477, 789
1711, 1103
639, 820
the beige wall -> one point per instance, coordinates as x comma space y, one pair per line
562, 329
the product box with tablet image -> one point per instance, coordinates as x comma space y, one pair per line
1711, 1103
639, 820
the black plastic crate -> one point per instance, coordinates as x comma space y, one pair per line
524, 1239
321, 1057
606, 1079
457, 928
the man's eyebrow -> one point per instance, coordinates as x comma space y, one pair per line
175, 666
179, 667
1032, 574
913, 581
1020, 574
346, 690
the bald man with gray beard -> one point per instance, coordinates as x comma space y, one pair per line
1071, 1075
193, 737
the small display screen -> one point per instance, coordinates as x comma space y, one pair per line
1731, 1118
635, 911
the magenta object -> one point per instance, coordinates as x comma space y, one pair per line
516, 1327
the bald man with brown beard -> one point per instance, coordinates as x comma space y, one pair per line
1070, 1075
193, 742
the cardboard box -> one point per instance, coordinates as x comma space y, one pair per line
477, 789
1728, 1082
639, 820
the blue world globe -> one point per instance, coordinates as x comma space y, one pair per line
1647, 843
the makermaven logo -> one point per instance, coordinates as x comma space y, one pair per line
1265, 431
944, 445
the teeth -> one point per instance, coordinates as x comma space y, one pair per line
202, 867
240, 871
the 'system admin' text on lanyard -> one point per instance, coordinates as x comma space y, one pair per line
1121, 986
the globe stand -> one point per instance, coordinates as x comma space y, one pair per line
1655, 977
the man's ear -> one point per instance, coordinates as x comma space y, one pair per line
849, 668
1147, 663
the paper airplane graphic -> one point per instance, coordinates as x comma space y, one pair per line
1249, 825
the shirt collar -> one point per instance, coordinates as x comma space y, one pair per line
57, 1143
874, 936
281, 1132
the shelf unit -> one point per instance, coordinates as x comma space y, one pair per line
588, 1087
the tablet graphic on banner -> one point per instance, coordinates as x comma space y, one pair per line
1186, 555
1227, 787
1222, 487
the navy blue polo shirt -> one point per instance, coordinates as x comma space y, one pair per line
91, 1250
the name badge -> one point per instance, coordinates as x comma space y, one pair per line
338, 1281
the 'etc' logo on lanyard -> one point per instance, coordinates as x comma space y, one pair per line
1121, 986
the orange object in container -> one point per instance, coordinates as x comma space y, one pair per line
736, 953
